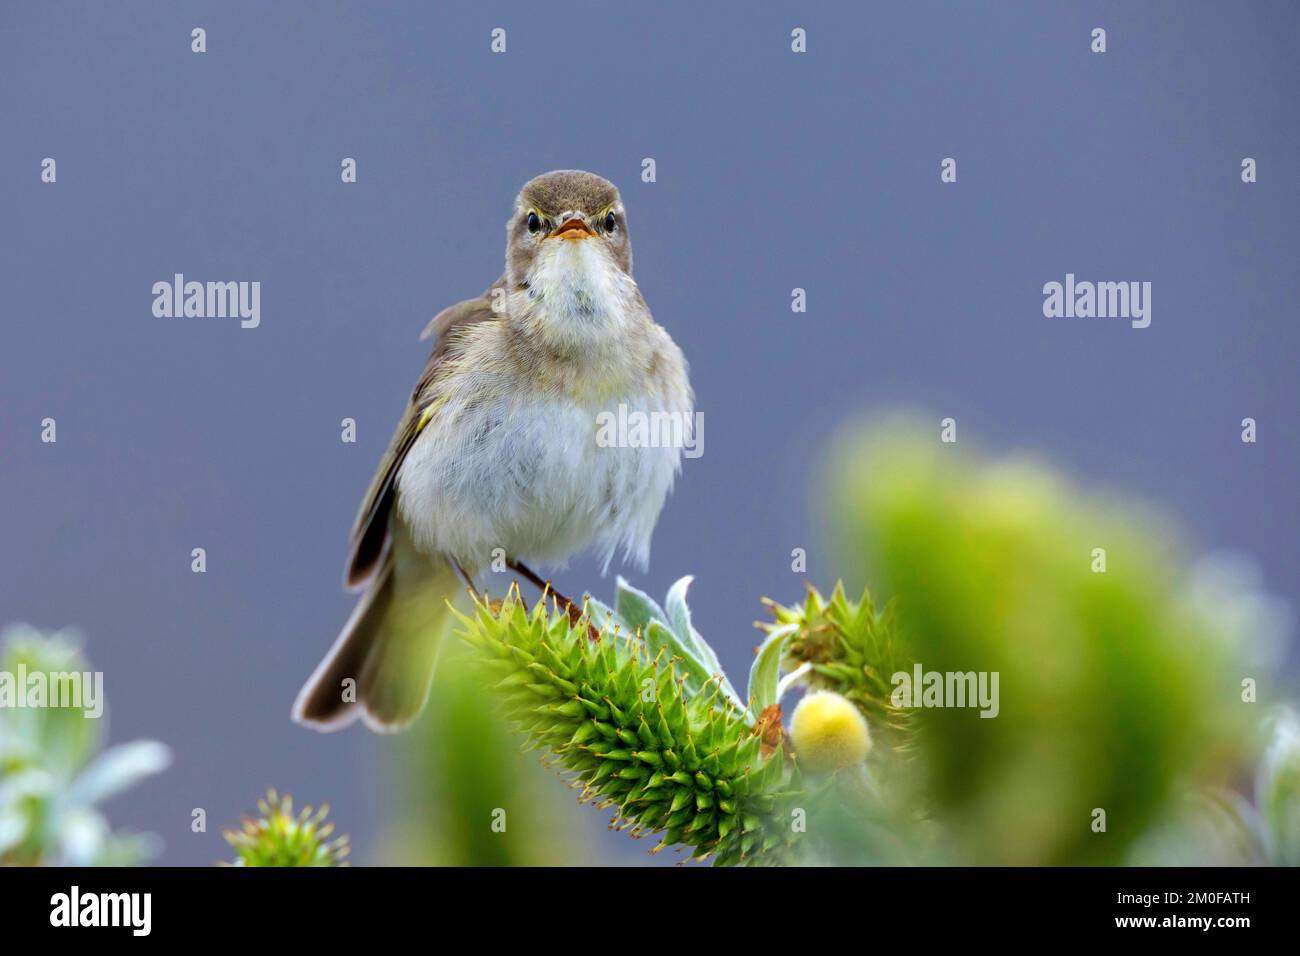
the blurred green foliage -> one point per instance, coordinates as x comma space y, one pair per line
1277, 791
52, 774
1220, 827
1117, 692
468, 793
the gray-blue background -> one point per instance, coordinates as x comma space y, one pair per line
774, 171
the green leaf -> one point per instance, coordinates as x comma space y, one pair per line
636, 613
679, 616
117, 769
765, 672
690, 640
636, 609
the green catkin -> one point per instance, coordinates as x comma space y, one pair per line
690, 770
851, 650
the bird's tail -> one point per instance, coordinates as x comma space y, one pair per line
382, 663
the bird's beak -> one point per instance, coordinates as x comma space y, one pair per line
574, 228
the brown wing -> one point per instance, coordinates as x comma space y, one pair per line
369, 538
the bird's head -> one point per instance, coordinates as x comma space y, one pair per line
568, 226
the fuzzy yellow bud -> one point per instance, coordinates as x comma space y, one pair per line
828, 732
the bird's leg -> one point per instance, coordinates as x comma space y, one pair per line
574, 611
465, 579
529, 575
544, 586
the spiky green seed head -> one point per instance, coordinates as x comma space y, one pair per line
849, 647
829, 733
684, 765
279, 837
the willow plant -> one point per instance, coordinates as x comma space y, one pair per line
633, 704
55, 771
1125, 687
837, 644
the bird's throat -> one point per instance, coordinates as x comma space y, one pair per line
576, 297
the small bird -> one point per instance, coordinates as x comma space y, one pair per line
498, 454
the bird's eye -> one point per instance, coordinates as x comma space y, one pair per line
610, 222
533, 222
